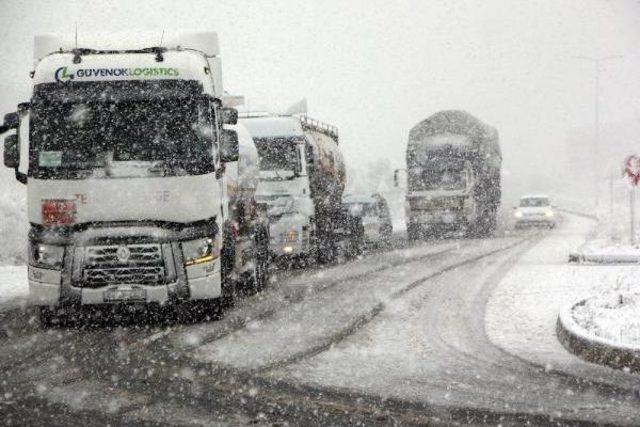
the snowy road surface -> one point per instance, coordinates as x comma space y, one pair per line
445, 331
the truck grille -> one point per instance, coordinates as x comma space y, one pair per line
123, 264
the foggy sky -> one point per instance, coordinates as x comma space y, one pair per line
375, 68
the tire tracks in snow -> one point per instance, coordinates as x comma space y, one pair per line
366, 317
283, 301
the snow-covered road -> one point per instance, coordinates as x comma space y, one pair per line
445, 331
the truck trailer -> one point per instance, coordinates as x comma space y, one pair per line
140, 185
453, 176
302, 178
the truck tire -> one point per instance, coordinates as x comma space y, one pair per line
48, 317
261, 270
413, 232
325, 249
355, 241
227, 264
209, 309
485, 225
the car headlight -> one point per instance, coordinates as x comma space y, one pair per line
199, 251
518, 214
47, 256
549, 214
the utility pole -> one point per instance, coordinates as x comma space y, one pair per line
596, 129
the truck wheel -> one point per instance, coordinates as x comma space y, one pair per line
207, 309
325, 251
227, 261
261, 270
413, 232
470, 229
48, 317
485, 224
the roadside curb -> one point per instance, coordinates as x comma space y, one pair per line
592, 348
581, 257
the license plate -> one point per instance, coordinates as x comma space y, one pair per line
448, 218
130, 294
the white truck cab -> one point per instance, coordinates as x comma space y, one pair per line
302, 176
125, 157
284, 182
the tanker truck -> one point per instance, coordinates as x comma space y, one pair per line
140, 185
302, 178
453, 176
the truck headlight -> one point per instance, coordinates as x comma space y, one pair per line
291, 235
518, 214
47, 256
549, 214
199, 251
355, 210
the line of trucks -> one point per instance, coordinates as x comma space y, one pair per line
144, 185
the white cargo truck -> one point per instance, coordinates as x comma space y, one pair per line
453, 176
140, 184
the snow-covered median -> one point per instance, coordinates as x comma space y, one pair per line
604, 329
522, 312
14, 288
606, 252
614, 317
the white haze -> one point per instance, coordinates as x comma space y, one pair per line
375, 68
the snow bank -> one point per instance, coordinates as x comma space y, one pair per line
522, 312
606, 252
14, 287
603, 330
13, 220
613, 317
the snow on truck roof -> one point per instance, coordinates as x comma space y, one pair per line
454, 122
203, 41
267, 126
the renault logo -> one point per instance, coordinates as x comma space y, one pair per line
123, 253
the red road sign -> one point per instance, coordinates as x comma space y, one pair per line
632, 169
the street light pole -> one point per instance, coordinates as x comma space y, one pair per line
596, 129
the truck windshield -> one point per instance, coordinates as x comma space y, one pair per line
278, 154
437, 179
73, 136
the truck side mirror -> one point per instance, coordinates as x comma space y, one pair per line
11, 120
11, 152
229, 148
229, 116
395, 177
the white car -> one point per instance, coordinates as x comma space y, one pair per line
535, 210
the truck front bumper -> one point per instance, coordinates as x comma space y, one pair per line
152, 272
201, 281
